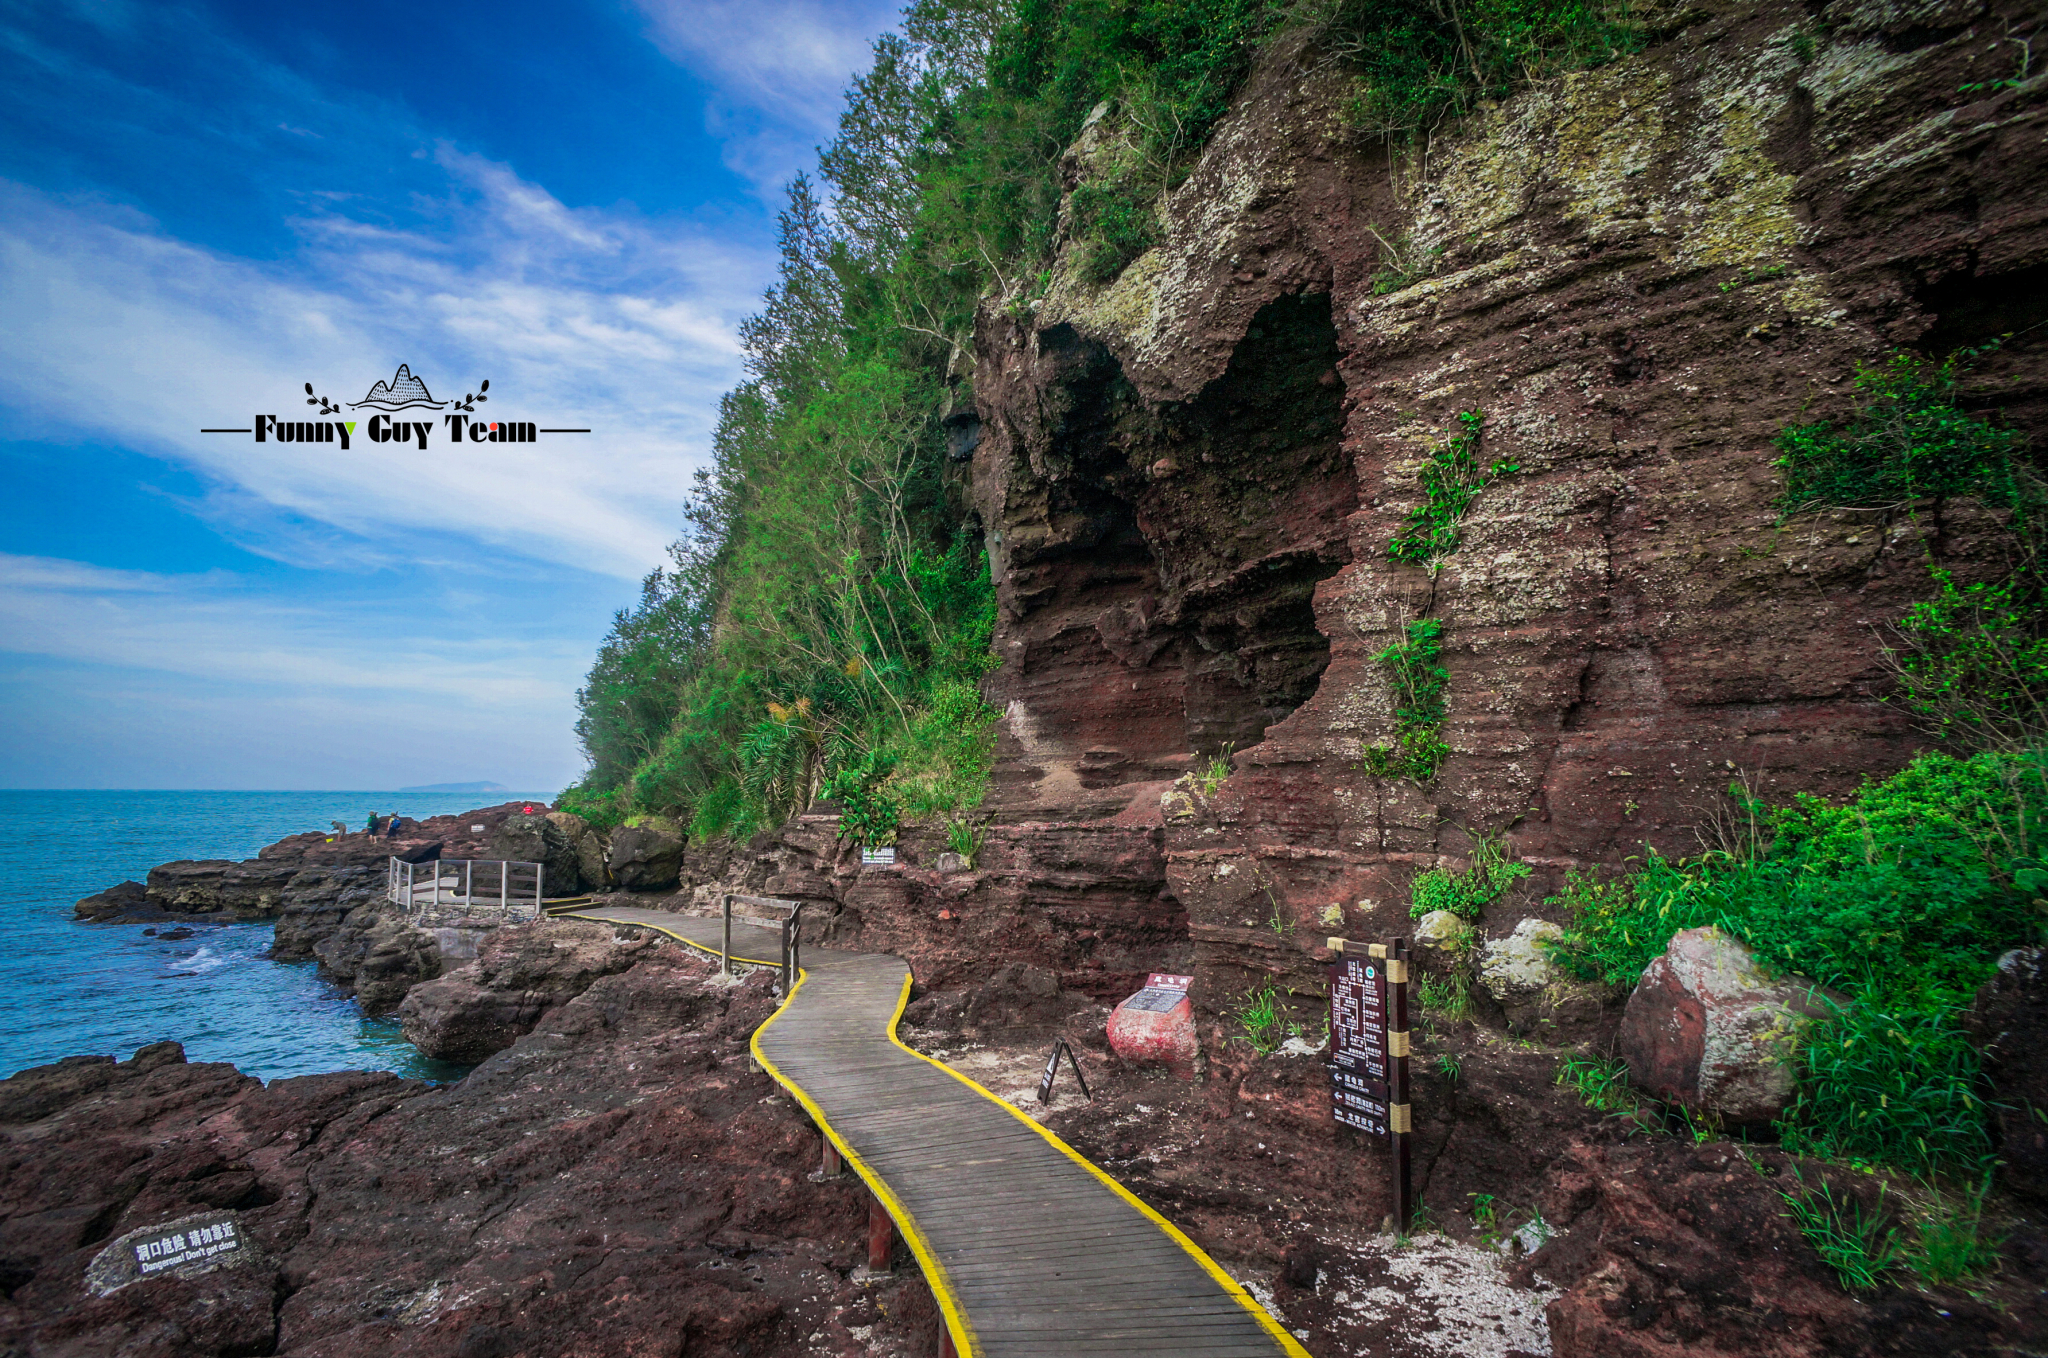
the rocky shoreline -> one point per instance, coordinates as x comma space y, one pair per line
613, 1174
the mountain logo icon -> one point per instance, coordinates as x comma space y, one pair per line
402, 392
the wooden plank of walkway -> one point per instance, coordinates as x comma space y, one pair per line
1030, 1250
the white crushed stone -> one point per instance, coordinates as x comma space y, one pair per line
1455, 1301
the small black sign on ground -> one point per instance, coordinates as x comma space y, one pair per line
1052, 1069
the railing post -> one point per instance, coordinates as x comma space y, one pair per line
504, 884
469, 881
540, 872
796, 943
725, 945
787, 978
881, 1235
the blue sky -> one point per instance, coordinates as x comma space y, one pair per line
205, 206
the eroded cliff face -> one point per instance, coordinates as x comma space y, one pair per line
1640, 274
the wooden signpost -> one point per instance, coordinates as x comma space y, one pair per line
1369, 1051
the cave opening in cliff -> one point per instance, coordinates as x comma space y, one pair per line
1167, 600
1251, 520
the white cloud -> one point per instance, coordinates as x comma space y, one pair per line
209, 626
779, 67
579, 317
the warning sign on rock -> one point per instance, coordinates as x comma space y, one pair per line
185, 1247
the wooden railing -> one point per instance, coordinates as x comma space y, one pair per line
789, 919
511, 887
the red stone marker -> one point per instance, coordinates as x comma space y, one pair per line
1156, 1026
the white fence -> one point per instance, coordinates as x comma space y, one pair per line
468, 884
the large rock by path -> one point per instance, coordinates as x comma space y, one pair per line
2010, 1024
519, 975
540, 837
1706, 1027
643, 858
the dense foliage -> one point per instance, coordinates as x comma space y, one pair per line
1972, 662
829, 608
1900, 900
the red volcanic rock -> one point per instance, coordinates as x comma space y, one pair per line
520, 974
2010, 1022
618, 1181
1707, 1028
1155, 1036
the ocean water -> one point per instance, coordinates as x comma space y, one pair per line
70, 989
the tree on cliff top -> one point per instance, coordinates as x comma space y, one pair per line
830, 599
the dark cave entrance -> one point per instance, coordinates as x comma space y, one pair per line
1169, 612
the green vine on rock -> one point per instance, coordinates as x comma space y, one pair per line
1451, 481
1419, 680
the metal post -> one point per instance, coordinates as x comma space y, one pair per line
725, 946
539, 873
437, 883
469, 881
796, 943
504, 873
1399, 1119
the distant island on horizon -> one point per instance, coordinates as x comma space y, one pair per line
458, 787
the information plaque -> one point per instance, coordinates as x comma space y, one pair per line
1369, 1051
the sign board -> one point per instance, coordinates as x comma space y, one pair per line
878, 858
1160, 980
1369, 1046
184, 1247
1153, 1000
1052, 1069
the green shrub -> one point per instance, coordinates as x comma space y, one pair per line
870, 813
1601, 1082
1262, 1018
1447, 997
1973, 660
1889, 1085
1901, 899
1420, 64
1857, 1243
600, 809
1469, 892
1951, 1243
1909, 439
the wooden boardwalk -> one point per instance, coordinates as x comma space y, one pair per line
1031, 1251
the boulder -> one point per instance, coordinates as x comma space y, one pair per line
643, 858
954, 862
316, 901
537, 837
2009, 1021
1443, 933
590, 851
1706, 1027
520, 973
127, 901
1534, 993
379, 955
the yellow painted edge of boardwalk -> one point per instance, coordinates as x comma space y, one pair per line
942, 1287
913, 1234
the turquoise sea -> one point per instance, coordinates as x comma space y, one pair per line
69, 989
